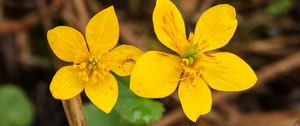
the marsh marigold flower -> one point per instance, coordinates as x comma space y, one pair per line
195, 69
93, 58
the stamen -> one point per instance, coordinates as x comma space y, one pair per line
91, 70
191, 37
82, 65
193, 69
181, 79
193, 83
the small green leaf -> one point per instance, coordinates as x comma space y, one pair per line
15, 108
279, 7
95, 117
134, 109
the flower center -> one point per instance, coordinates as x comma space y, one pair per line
91, 69
193, 63
193, 58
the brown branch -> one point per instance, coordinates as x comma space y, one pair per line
46, 12
278, 118
68, 16
276, 46
1, 12
94, 6
82, 14
127, 32
170, 118
9, 27
24, 52
272, 44
275, 70
205, 5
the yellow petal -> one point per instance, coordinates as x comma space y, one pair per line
195, 97
103, 93
155, 75
169, 26
122, 59
216, 27
228, 73
67, 43
66, 83
102, 32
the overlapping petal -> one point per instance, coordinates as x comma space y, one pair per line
122, 59
195, 97
216, 27
102, 31
103, 93
68, 44
66, 83
228, 72
169, 26
155, 75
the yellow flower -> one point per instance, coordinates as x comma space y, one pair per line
157, 74
93, 59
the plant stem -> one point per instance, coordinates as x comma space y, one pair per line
74, 111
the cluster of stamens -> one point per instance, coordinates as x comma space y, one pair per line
193, 62
188, 71
91, 69
191, 71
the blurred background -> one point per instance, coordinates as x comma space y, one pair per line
268, 38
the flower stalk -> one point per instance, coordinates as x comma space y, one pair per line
74, 111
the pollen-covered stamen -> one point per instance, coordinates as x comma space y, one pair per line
191, 71
193, 68
188, 69
91, 69
191, 38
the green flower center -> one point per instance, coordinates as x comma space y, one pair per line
191, 53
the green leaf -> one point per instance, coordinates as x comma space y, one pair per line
95, 117
279, 7
15, 108
134, 109
130, 110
